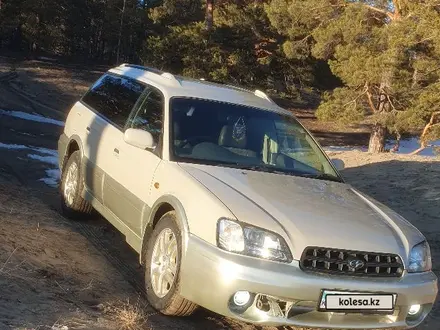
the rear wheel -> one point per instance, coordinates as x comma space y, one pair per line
72, 204
162, 269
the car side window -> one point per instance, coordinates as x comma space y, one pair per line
148, 113
114, 97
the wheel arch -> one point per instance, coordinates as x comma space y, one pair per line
73, 145
163, 205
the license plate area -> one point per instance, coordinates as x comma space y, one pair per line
357, 302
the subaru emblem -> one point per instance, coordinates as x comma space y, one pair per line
356, 264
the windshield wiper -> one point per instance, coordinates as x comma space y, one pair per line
269, 169
259, 168
319, 176
323, 176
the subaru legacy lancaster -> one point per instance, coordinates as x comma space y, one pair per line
233, 206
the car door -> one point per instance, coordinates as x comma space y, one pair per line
134, 178
108, 104
112, 98
87, 128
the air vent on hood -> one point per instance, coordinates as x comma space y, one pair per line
352, 263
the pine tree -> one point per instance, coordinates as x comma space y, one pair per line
90, 29
241, 47
385, 52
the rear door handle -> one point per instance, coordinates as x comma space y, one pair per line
116, 151
88, 129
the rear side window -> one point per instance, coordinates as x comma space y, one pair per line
114, 97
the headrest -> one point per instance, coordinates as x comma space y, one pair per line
234, 134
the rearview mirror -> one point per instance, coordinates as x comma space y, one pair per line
338, 163
139, 138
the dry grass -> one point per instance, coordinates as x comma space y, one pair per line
127, 315
2, 268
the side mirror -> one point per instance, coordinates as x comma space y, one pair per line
139, 138
338, 163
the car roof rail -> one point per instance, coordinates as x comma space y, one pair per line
144, 68
263, 95
238, 88
257, 92
161, 73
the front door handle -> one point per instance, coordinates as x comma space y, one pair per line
116, 151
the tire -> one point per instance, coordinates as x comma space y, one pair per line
75, 206
171, 303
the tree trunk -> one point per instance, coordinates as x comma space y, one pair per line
118, 51
423, 146
209, 17
423, 140
378, 131
377, 139
34, 46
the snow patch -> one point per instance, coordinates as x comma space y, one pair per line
406, 146
409, 145
50, 182
31, 117
46, 151
43, 155
45, 159
52, 178
344, 148
13, 146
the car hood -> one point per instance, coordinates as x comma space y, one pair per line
308, 212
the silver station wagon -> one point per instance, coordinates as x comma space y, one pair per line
233, 206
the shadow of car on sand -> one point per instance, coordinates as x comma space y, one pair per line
411, 188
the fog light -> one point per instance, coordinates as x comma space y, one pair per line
414, 309
241, 298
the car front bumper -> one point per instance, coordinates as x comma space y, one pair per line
210, 277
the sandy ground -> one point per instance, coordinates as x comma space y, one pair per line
57, 274
50, 276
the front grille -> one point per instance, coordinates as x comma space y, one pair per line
353, 263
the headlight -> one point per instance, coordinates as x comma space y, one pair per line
420, 258
252, 241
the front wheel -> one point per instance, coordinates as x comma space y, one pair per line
162, 269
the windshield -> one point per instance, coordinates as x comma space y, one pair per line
224, 134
